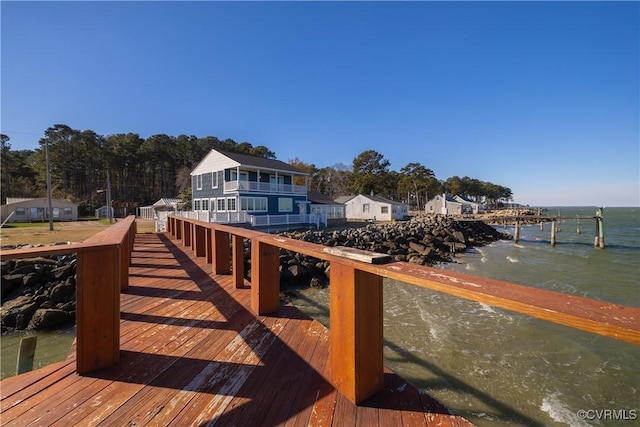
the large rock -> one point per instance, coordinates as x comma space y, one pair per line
16, 313
63, 292
30, 285
11, 282
48, 319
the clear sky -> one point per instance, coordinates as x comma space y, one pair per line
541, 97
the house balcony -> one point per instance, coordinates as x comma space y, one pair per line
264, 187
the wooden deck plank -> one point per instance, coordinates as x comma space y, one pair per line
232, 376
193, 353
313, 378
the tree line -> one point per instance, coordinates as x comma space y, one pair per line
143, 170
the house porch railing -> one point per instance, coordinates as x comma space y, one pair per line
254, 220
264, 187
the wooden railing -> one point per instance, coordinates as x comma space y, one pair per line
356, 314
102, 271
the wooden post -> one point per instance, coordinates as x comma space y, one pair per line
179, 228
356, 339
600, 233
125, 261
221, 252
237, 265
265, 278
199, 240
516, 232
599, 240
553, 232
98, 308
208, 244
186, 233
26, 353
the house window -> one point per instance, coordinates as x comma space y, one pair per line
365, 208
21, 211
67, 211
56, 213
222, 205
214, 180
199, 182
212, 205
285, 204
231, 204
196, 205
244, 176
253, 204
205, 204
384, 209
37, 213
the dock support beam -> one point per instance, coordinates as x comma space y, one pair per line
599, 240
265, 278
356, 339
516, 232
237, 260
26, 353
98, 308
553, 232
221, 252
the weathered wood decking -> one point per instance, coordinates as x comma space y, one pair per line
192, 353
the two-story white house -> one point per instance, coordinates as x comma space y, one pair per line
232, 187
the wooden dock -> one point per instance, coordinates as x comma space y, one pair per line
193, 353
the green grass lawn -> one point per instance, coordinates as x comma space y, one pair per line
46, 223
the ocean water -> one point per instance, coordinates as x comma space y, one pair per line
495, 367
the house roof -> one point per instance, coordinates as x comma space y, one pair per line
225, 159
373, 198
344, 199
167, 201
18, 200
321, 199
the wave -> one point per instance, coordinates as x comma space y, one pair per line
560, 412
510, 259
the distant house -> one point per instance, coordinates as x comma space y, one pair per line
373, 208
37, 210
444, 204
103, 212
159, 209
232, 187
325, 207
475, 206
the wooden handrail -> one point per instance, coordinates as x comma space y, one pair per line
102, 271
356, 298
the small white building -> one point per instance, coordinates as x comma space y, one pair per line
160, 209
443, 204
373, 208
37, 210
475, 206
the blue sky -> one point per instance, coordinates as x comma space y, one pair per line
542, 97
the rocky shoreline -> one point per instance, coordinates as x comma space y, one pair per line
39, 293
422, 240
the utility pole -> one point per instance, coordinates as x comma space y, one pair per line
110, 212
46, 155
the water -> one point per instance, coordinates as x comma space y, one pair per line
499, 368
51, 347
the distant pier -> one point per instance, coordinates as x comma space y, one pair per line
519, 220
